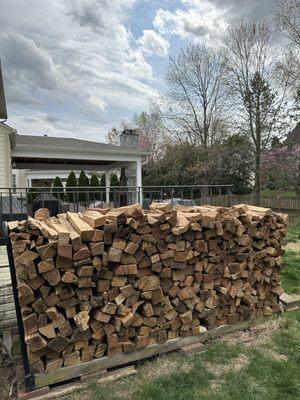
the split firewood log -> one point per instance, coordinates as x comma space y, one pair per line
111, 281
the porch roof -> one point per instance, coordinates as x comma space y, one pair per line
40, 152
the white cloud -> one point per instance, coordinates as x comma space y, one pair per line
32, 64
77, 58
166, 22
151, 43
197, 18
79, 62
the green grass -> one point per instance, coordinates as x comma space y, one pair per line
294, 228
281, 193
291, 273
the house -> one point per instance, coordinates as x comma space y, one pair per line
33, 160
5, 131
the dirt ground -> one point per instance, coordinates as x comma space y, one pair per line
8, 380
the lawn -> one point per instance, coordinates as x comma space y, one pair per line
291, 275
285, 194
259, 364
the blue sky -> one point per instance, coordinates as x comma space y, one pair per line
79, 67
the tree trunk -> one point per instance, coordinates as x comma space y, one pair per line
298, 177
257, 187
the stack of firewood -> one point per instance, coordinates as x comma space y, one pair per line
111, 281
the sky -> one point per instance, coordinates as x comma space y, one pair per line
76, 68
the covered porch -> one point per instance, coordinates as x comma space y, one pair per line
44, 158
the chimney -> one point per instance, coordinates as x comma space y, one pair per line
129, 138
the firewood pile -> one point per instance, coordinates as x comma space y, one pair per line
111, 281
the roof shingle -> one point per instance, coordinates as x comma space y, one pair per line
37, 142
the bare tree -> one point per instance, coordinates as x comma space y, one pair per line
151, 131
113, 136
193, 106
287, 22
287, 18
258, 87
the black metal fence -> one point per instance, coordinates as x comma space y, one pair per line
19, 203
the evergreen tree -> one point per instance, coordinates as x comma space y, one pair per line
83, 183
71, 182
123, 182
95, 192
102, 180
95, 180
261, 113
114, 181
58, 188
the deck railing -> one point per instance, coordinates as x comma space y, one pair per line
21, 202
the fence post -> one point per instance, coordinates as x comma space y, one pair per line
29, 378
77, 200
50, 201
115, 197
27, 202
172, 196
10, 203
229, 200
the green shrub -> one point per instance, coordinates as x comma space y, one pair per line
58, 188
71, 182
83, 183
102, 180
114, 181
95, 183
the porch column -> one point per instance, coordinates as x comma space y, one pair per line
107, 187
139, 193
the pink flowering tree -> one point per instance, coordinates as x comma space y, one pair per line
281, 167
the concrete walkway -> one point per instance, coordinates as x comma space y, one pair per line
7, 305
4, 268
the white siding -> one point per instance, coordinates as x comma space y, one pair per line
21, 177
5, 157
